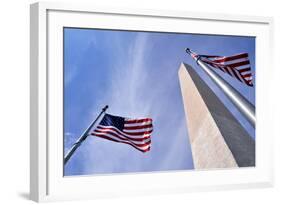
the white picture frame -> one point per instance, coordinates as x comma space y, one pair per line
46, 164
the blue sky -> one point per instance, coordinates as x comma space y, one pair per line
136, 74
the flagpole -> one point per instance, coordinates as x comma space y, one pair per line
82, 137
242, 104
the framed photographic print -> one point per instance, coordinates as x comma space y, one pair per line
131, 102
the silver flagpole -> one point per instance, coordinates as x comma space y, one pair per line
242, 104
82, 137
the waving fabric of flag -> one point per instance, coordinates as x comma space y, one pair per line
134, 132
238, 66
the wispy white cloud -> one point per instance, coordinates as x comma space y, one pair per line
128, 77
70, 74
69, 139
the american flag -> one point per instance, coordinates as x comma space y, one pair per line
238, 66
134, 132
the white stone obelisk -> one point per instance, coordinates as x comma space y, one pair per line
217, 139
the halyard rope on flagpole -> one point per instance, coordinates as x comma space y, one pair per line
241, 103
83, 137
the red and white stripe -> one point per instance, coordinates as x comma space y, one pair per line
237, 66
136, 132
